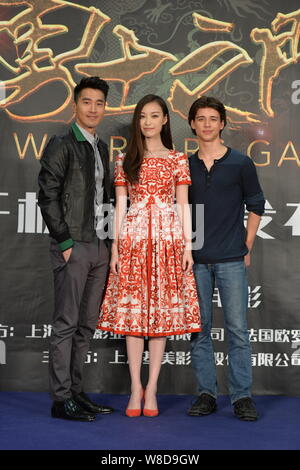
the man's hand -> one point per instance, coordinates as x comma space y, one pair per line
252, 227
247, 259
67, 253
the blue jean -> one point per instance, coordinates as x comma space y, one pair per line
231, 280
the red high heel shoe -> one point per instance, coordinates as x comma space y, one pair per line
150, 413
134, 413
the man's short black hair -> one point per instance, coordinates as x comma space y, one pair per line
207, 102
91, 82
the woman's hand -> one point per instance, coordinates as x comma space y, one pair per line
187, 261
114, 261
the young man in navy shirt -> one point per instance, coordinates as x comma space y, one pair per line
224, 181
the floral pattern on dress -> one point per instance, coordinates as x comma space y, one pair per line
151, 295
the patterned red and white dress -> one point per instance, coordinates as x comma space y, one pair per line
151, 295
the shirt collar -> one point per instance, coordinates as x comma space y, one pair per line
92, 139
217, 160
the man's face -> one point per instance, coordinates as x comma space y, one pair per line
89, 109
207, 124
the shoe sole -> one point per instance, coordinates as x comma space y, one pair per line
73, 419
103, 412
95, 412
247, 418
191, 413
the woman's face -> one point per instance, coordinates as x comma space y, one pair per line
152, 120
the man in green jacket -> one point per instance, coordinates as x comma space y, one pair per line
74, 186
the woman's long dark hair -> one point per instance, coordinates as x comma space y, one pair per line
136, 146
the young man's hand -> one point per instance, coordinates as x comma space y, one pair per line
247, 259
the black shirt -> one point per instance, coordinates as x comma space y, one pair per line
224, 191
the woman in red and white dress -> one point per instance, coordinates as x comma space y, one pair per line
151, 290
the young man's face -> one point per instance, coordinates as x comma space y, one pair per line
89, 109
207, 124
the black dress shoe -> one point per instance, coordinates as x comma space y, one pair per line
203, 406
88, 405
245, 410
69, 409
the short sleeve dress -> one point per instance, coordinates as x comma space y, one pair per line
151, 295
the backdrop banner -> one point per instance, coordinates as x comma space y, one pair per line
244, 52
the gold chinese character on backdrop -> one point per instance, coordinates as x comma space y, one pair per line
129, 67
274, 58
37, 65
31, 72
181, 97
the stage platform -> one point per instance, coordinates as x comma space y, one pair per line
25, 423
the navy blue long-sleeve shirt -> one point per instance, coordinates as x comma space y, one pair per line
225, 190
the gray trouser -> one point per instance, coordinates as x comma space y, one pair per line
78, 288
